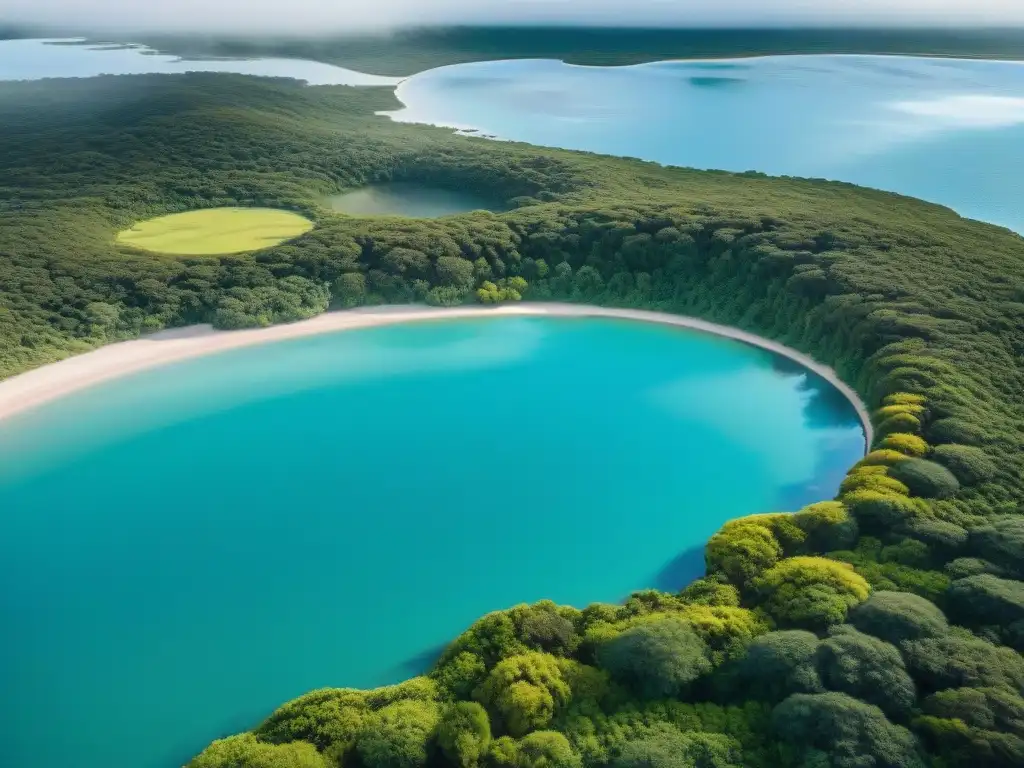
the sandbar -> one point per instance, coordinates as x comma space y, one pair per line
43, 385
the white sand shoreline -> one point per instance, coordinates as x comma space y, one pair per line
43, 385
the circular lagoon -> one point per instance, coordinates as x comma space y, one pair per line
185, 548
412, 200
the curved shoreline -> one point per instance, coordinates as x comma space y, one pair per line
50, 382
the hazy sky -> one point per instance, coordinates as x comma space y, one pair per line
340, 15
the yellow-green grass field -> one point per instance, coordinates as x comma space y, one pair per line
215, 231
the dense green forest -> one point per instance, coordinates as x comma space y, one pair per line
883, 628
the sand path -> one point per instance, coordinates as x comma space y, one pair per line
42, 385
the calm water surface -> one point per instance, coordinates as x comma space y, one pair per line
409, 199
38, 59
186, 548
945, 130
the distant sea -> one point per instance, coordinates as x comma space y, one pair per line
945, 130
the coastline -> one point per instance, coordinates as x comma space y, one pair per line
40, 386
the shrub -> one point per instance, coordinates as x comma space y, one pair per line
778, 664
962, 746
833, 729
542, 627
726, 630
741, 550
586, 683
811, 591
827, 525
711, 591
287, 300
911, 445
961, 660
884, 457
656, 659
954, 430
445, 296
587, 283
455, 272
525, 691
986, 708
926, 478
493, 637
938, 534
510, 289
970, 465
504, 752
904, 398
667, 747
866, 668
858, 480
963, 567
547, 749
900, 423
464, 734
323, 718
244, 751
1001, 541
460, 674
349, 290
986, 599
880, 510
894, 409
398, 735
899, 616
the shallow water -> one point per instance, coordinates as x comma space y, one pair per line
950, 131
38, 59
184, 549
410, 199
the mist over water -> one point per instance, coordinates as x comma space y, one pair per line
319, 17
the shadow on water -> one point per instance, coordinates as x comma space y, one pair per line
829, 471
715, 82
681, 570
419, 663
826, 407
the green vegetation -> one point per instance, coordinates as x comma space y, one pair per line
215, 231
880, 628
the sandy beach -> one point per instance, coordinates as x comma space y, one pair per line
50, 382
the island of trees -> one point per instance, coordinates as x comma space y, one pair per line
882, 628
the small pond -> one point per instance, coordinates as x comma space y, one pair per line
413, 200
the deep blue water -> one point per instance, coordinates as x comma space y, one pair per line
184, 549
945, 130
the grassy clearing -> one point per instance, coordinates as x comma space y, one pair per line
216, 231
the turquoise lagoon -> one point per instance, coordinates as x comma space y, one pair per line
186, 548
946, 130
